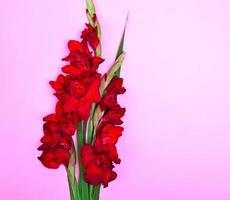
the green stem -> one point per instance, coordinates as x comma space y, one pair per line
84, 131
70, 169
83, 186
90, 126
93, 191
96, 192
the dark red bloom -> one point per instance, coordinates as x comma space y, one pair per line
76, 92
98, 159
82, 105
106, 139
83, 81
60, 86
77, 89
109, 100
53, 136
56, 144
90, 35
114, 115
65, 122
53, 158
115, 86
80, 88
79, 55
98, 166
81, 59
108, 135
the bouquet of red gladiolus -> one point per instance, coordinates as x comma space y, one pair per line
82, 132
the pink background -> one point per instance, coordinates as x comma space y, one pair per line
176, 144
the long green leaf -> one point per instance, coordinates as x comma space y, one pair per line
121, 46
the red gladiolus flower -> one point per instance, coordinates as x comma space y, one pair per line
53, 158
106, 140
86, 101
90, 35
115, 88
76, 92
55, 145
98, 166
53, 136
114, 115
65, 122
108, 135
98, 159
82, 105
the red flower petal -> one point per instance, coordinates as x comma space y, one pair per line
97, 61
53, 159
114, 115
51, 117
87, 154
90, 35
78, 89
95, 175
108, 135
93, 94
71, 105
60, 84
115, 86
74, 45
72, 70
98, 166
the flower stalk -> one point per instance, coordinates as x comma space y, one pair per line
86, 108
73, 185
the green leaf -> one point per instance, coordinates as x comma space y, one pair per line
121, 46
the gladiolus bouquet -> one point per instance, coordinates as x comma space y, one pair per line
82, 132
